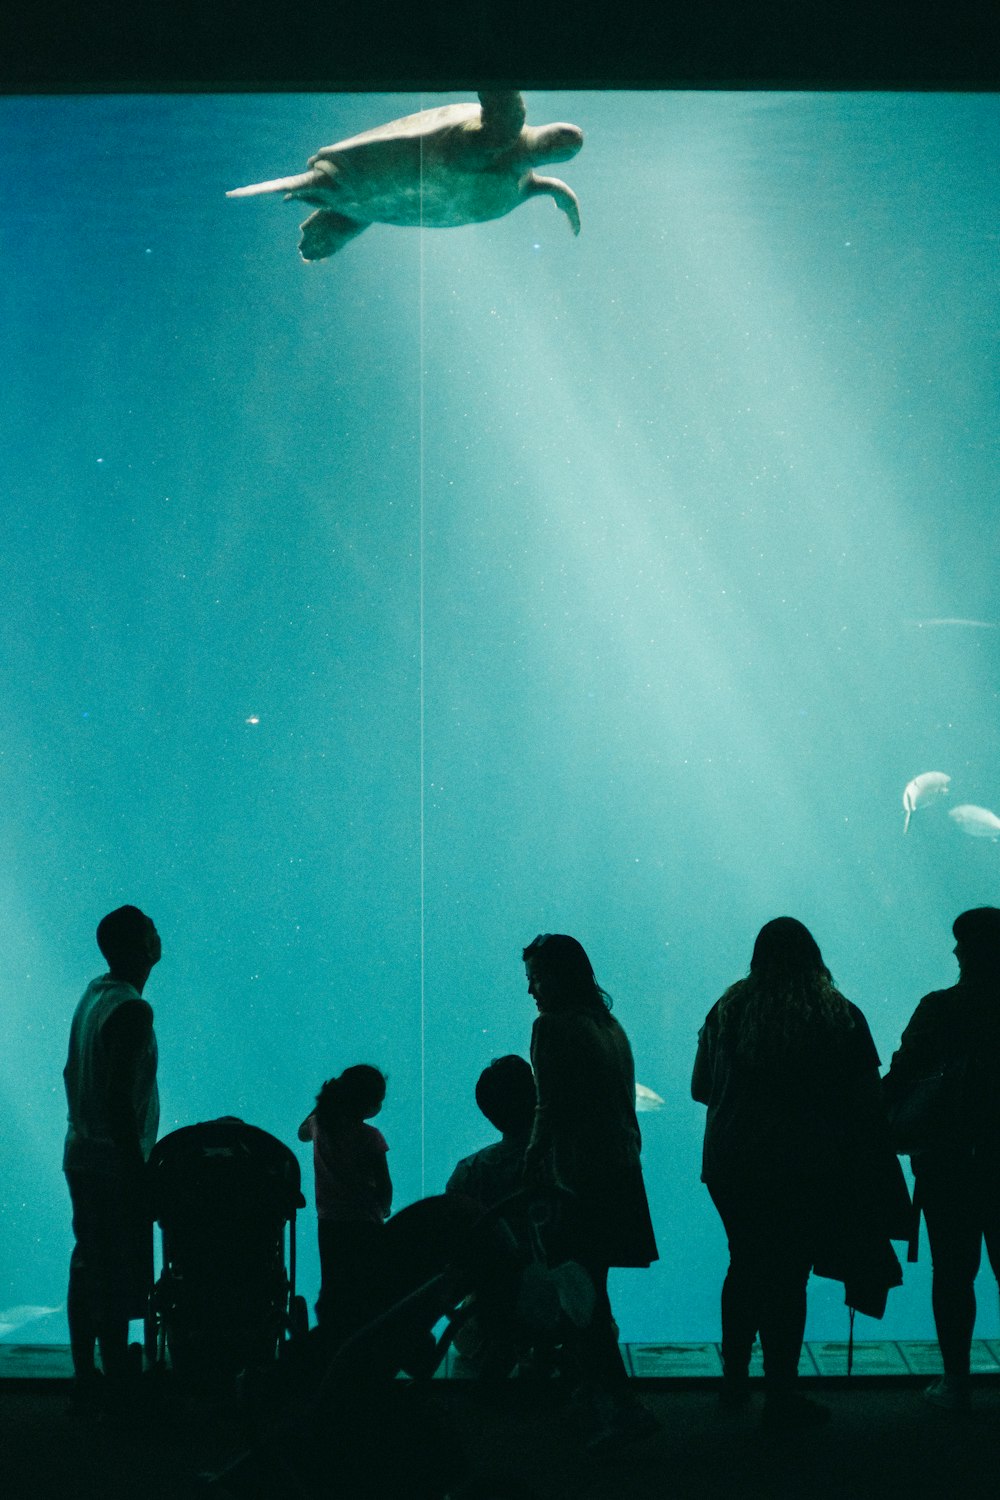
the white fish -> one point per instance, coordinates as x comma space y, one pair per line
977, 822
646, 1100
950, 620
923, 789
13, 1318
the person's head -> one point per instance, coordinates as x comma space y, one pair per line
786, 950
977, 942
129, 941
358, 1094
561, 977
362, 1089
788, 1007
505, 1093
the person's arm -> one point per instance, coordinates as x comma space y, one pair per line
545, 1065
921, 1049
457, 1182
701, 1076
879, 1184
126, 1035
382, 1184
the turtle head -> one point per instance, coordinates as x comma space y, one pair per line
552, 142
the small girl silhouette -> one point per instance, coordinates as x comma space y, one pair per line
353, 1196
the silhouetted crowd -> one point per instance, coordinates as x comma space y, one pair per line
801, 1159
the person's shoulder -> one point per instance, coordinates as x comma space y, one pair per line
969, 1008
711, 1021
117, 992
938, 1003
374, 1140
564, 1028
470, 1165
104, 990
131, 1004
942, 997
609, 1026
548, 1023
131, 1019
495, 1151
859, 1040
464, 1166
458, 1177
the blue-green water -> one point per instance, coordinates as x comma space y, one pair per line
363, 619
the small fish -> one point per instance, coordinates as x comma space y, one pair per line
977, 822
646, 1100
13, 1318
921, 790
967, 624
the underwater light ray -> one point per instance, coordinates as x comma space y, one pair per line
812, 395
830, 527
704, 675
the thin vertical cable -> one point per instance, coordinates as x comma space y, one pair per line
423, 1042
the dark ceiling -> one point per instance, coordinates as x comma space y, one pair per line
364, 44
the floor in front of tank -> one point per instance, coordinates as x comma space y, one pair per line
883, 1440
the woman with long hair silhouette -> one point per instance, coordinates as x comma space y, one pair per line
796, 1156
586, 1139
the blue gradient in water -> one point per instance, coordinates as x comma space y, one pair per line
363, 619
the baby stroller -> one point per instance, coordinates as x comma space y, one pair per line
224, 1303
352, 1426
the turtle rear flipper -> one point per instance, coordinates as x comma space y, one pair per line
300, 182
325, 232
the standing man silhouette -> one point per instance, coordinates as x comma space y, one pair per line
114, 1113
952, 1044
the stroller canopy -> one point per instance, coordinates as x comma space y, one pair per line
223, 1169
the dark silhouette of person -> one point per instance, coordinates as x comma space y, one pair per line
114, 1110
585, 1138
505, 1092
796, 1158
353, 1195
956, 1033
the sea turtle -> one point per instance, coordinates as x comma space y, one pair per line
458, 164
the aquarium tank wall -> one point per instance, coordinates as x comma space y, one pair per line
363, 619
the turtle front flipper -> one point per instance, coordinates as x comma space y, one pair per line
326, 232
503, 115
553, 187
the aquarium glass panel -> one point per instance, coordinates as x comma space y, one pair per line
364, 618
